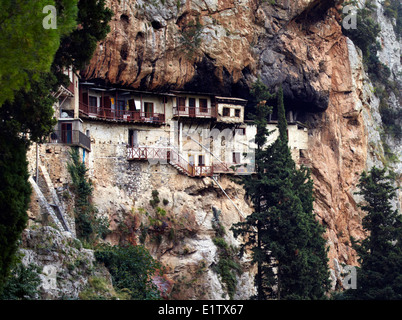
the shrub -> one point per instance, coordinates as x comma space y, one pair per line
22, 283
89, 225
131, 268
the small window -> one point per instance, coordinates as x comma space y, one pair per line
149, 109
203, 105
201, 160
93, 104
236, 157
240, 131
181, 104
226, 112
237, 113
133, 138
93, 101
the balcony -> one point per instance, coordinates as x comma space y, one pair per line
71, 138
110, 114
194, 112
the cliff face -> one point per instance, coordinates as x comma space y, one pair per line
222, 46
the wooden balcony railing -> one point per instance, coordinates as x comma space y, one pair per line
195, 112
172, 156
70, 137
120, 115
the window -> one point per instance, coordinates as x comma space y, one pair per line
201, 160
203, 105
237, 113
93, 104
236, 157
133, 138
120, 108
191, 102
240, 131
226, 112
66, 132
148, 109
181, 103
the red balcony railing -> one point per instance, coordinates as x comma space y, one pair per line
172, 156
120, 115
196, 112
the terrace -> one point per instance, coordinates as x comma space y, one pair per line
194, 107
118, 105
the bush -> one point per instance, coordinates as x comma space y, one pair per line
88, 224
132, 268
22, 283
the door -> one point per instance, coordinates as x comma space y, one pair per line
93, 105
191, 105
204, 105
133, 138
120, 109
107, 107
67, 133
148, 109
181, 104
191, 164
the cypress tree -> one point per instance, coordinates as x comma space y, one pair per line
282, 233
379, 276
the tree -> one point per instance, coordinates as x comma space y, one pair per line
252, 228
77, 48
379, 276
27, 48
26, 103
284, 237
15, 194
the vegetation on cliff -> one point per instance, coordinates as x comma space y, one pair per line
365, 37
132, 268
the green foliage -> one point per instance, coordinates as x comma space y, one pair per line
365, 38
282, 232
22, 283
190, 37
393, 10
26, 113
261, 95
380, 254
132, 268
282, 123
99, 288
228, 265
391, 118
77, 48
31, 112
155, 199
15, 192
27, 48
89, 226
